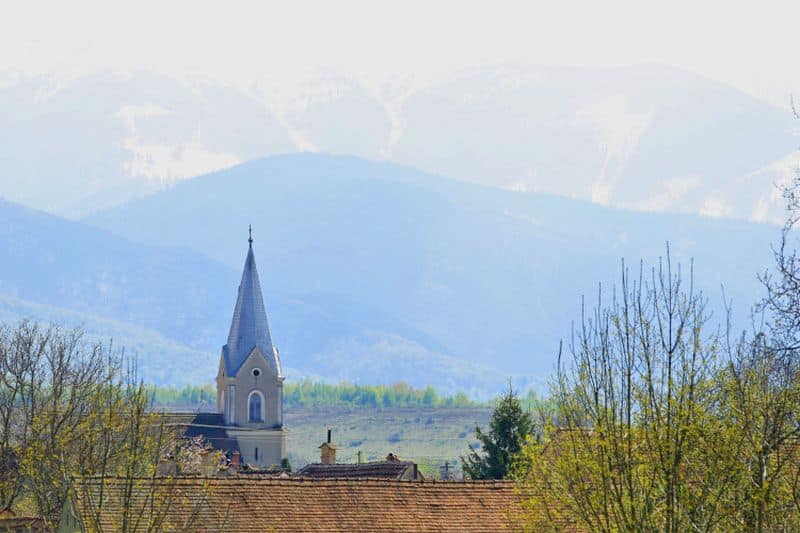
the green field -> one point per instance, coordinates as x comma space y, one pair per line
428, 435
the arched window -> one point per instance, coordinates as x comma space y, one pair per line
255, 410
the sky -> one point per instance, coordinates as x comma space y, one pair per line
749, 45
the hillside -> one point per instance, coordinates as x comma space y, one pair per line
429, 436
171, 307
159, 359
71, 265
394, 269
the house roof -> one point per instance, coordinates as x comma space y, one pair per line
292, 504
378, 469
249, 327
11, 523
211, 426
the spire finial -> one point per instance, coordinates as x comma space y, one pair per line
250, 233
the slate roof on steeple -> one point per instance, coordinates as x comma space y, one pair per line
249, 327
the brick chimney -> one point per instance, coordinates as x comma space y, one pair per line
236, 460
327, 451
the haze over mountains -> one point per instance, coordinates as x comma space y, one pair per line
645, 137
459, 271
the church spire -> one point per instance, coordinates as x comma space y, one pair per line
249, 327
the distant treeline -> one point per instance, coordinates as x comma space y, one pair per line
317, 394
311, 394
190, 395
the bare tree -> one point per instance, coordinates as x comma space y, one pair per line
47, 377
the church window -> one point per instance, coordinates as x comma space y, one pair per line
256, 372
255, 407
256, 454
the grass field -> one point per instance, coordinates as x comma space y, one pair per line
427, 435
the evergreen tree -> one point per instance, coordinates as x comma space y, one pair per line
508, 429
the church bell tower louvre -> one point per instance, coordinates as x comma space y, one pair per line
250, 380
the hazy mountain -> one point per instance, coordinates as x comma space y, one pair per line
71, 265
647, 137
172, 309
338, 115
93, 142
421, 263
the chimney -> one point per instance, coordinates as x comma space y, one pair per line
166, 467
236, 460
360, 457
444, 471
327, 452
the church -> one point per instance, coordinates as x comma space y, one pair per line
248, 422
249, 380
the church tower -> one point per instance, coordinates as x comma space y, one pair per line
249, 380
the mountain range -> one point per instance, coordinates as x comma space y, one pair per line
371, 271
441, 233
645, 137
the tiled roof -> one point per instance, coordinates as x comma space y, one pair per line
12, 524
207, 419
381, 469
324, 505
211, 426
249, 328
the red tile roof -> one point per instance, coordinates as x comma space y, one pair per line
377, 469
13, 524
274, 504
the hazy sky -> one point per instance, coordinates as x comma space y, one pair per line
751, 45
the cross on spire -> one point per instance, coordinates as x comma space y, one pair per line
250, 233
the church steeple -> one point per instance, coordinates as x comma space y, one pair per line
249, 327
249, 379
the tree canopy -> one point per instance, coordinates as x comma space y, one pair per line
509, 428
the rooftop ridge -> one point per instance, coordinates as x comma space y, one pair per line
270, 479
399, 462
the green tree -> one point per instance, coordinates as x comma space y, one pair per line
69, 408
635, 442
509, 428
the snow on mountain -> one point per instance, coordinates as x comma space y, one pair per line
646, 137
